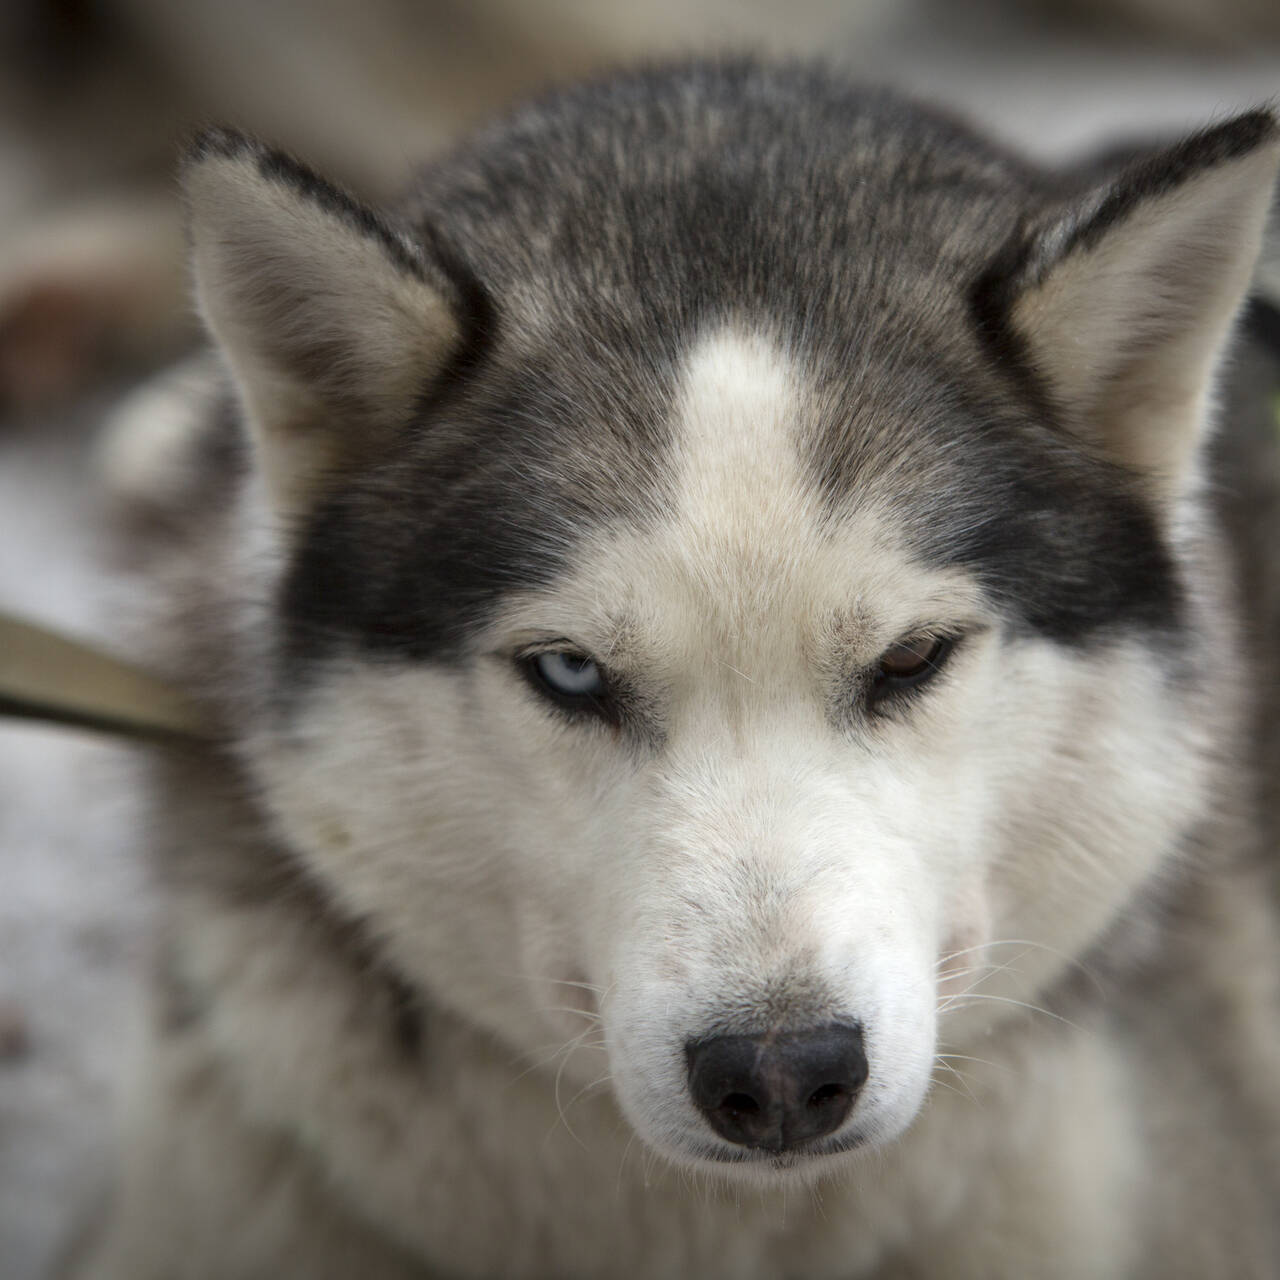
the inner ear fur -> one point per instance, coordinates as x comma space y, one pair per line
332, 321
1122, 303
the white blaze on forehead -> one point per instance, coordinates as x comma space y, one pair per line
736, 418
750, 528
745, 569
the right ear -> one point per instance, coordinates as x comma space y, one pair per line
1124, 300
332, 321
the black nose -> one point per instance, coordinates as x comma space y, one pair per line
779, 1089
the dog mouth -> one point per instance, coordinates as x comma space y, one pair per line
802, 1156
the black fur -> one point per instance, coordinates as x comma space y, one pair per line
594, 235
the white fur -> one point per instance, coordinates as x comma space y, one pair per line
763, 868
576, 901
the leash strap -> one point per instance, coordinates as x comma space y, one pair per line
51, 677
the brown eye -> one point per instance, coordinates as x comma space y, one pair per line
910, 657
909, 663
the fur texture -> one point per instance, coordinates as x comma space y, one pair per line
730, 556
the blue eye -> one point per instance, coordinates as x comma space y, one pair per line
571, 675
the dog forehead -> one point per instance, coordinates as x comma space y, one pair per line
744, 559
734, 560
737, 412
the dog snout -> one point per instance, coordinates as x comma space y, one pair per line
777, 1090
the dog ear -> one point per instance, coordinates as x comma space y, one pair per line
332, 321
1122, 304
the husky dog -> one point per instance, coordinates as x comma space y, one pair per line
733, 750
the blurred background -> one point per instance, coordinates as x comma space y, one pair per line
95, 97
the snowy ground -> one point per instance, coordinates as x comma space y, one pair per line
72, 902
71, 897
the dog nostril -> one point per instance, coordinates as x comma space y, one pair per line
828, 1094
777, 1090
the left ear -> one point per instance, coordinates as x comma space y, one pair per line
1123, 304
331, 319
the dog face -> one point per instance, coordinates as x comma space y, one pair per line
754, 628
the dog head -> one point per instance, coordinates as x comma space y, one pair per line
726, 573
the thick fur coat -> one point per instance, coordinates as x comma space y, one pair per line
733, 748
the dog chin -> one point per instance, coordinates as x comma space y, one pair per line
745, 1166
822, 1159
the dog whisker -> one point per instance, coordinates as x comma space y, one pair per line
959, 1002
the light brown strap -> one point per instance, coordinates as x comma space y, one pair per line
48, 676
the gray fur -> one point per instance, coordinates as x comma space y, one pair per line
348, 1071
